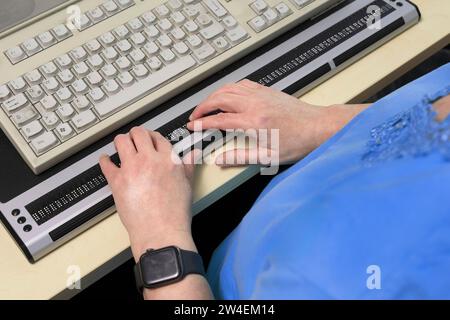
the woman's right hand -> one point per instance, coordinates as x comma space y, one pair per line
249, 105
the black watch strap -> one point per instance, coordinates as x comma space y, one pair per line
191, 263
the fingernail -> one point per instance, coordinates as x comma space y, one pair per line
191, 117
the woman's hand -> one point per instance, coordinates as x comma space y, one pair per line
152, 191
249, 105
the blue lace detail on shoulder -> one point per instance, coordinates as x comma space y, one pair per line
413, 133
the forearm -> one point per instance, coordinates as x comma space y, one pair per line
192, 287
342, 114
336, 117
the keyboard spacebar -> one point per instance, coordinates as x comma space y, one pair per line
143, 87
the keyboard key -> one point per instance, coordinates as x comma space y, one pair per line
31, 46
50, 120
66, 77
125, 79
137, 56
271, 16
95, 62
32, 129
93, 46
154, 63
150, 48
204, 52
174, 4
65, 112
123, 63
84, 120
51, 85
178, 18
35, 93
64, 131
81, 103
165, 25
61, 32
107, 39
46, 39
124, 46
49, 69
221, 44
108, 71
110, 54
5, 93
96, 95
33, 77
168, 55
216, 7
138, 39
135, 25
44, 142
94, 79
83, 22
148, 18
80, 87
229, 22
111, 87
301, 3
191, 26
212, 31
237, 35
96, 14
81, 69
64, 95
24, 115
181, 48
258, 24
194, 41
18, 85
64, 61
110, 7
49, 103
121, 32
151, 32
259, 6
283, 10
125, 3
164, 40
78, 54
191, 12
15, 103
15, 54
162, 11
139, 71
204, 20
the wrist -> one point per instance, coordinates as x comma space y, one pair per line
339, 115
180, 238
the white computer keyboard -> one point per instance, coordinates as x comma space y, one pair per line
67, 87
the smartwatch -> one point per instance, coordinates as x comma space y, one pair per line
158, 268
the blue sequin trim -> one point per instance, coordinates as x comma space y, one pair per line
414, 133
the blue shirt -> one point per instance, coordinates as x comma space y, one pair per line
365, 216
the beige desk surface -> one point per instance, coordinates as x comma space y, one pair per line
105, 246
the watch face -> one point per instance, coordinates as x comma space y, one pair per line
160, 266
